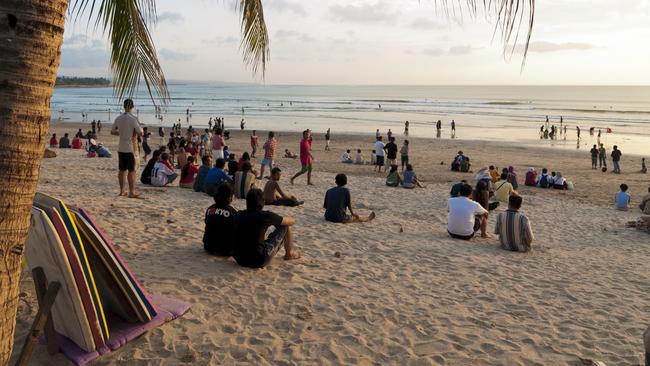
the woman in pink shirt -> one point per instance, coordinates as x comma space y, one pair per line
217, 145
306, 157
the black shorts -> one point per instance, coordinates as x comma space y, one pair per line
380, 160
461, 237
126, 161
146, 148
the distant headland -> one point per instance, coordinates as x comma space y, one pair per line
81, 82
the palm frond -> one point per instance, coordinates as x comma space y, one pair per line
509, 14
133, 54
255, 36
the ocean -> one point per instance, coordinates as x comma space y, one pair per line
508, 114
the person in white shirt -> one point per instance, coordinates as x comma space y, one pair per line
127, 127
379, 152
163, 172
346, 158
466, 216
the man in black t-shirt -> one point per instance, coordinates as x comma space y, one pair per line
338, 201
250, 248
391, 152
219, 222
594, 156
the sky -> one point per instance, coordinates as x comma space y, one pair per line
384, 42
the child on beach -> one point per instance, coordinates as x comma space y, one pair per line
346, 158
358, 159
393, 179
622, 198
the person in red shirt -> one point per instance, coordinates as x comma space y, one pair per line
192, 150
53, 141
306, 157
188, 173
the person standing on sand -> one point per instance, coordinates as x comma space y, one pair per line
269, 153
379, 154
338, 201
513, 228
306, 157
327, 140
602, 156
578, 132
406, 128
242, 123
126, 126
594, 156
253, 144
217, 145
616, 158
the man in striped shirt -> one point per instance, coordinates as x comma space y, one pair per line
269, 153
513, 227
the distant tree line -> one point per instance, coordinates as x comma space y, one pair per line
81, 81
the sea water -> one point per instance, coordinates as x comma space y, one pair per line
507, 114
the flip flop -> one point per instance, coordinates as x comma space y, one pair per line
136, 196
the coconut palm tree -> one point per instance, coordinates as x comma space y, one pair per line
31, 34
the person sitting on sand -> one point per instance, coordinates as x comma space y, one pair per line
188, 174
219, 223
513, 227
289, 155
544, 181
216, 176
531, 177
455, 189
512, 177
494, 173
503, 189
163, 172
53, 141
77, 144
64, 143
622, 198
455, 164
393, 179
245, 157
559, 182
273, 194
199, 181
79, 134
233, 165
645, 203
250, 248
145, 176
244, 180
481, 194
358, 158
466, 217
338, 200
410, 178
465, 165
346, 158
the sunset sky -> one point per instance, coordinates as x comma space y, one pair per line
388, 42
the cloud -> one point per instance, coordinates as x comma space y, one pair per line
424, 23
221, 40
94, 55
286, 34
461, 50
170, 17
286, 6
543, 47
380, 12
435, 52
76, 39
172, 55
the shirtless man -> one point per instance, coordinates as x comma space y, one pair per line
273, 194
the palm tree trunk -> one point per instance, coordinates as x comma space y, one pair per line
31, 33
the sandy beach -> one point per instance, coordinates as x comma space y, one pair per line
415, 297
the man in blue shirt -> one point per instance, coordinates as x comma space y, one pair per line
215, 177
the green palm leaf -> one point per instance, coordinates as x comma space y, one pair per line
255, 37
